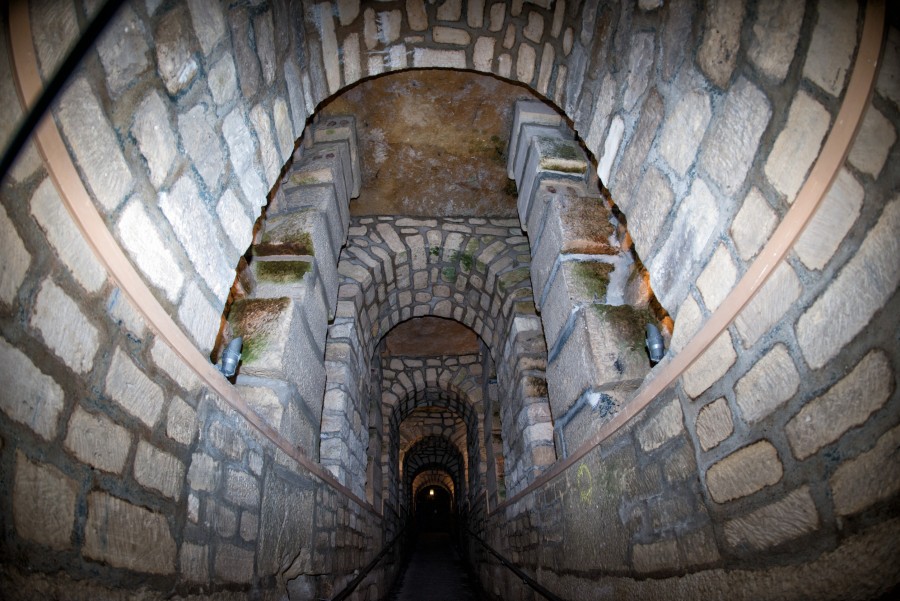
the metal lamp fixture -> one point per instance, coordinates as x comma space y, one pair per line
231, 356
655, 345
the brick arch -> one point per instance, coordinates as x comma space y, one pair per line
429, 454
433, 477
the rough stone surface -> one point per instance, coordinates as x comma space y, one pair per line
710, 366
769, 304
241, 488
194, 562
234, 564
718, 278
832, 45
166, 359
853, 486
687, 323
55, 29
662, 427
242, 151
181, 422
874, 141
154, 136
640, 64
744, 472
683, 130
16, 259
203, 473
832, 220
734, 136
200, 317
714, 424
647, 217
655, 556
97, 441
158, 470
263, 33
797, 145
127, 536
209, 23
127, 385
721, 40
222, 81
64, 328
779, 522
36, 399
775, 36
235, 221
753, 224
888, 83
43, 504
123, 50
860, 289
95, 145
847, 404
768, 384
175, 51
148, 250
48, 210
203, 145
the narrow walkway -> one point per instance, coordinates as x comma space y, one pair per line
435, 573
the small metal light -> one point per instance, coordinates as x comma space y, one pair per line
231, 356
655, 345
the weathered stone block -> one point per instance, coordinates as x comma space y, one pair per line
661, 555
268, 150
154, 136
203, 145
832, 220
718, 51
167, 360
123, 50
429, 58
665, 425
16, 259
55, 29
98, 441
286, 517
209, 23
873, 142
769, 304
36, 399
342, 128
241, 488
146, 247
181, 422
651, 206
860, 289
776, 523
869, 478
527, 112
775, 36
744, 472
43, 503
832, 45
683, 130
264, 401
235, 221
132, 390
767, 385
64, 328
194, 562
244, 157
200, 317
126, 536
320, 198
158, 470
175, 51
574, 284
203, 473
797, 145
327, 163
718, 278
222, 81
753, 224
847, 404
714, 424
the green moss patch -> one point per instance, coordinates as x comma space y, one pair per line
514, 277
593, 277
282, 272
285, 243
255, 320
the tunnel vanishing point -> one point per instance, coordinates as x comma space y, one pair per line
442, 230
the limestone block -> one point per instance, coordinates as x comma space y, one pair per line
36, 399
498, 17
264, 36
873, 142
43, 503
234, 220
194, 562
175, 51
573, 284
97, 441
416, 15
651, 207
753, 224
127, 536
342, 128
196, 229
526, 134
158, 470
847, 404
871, 477
286, 517
767, 385
203, 473
146, 247
832, 45
429, 58
718, 51
243, 153
769, 304
123, 50
776, 523
483, 54
797, 145
861, 288
775, 35
181, 422
225, 438
124, 314
16, 259
640, 63
327, 163
734, 135
202, 144
548, 58
222, 81
241, 488
167, 360
55, 30
209, 23
221, 518
714, 424
65, 329
201, 319
744, 472
264, 401
137, 394
548, 157
451, 35
154, 137
95, 145
262, 127
318, 197
832, 220
687, 323
718, 278
48, 210
679, 256
450, 10
283, 128
665, 425
526, 111
683, 130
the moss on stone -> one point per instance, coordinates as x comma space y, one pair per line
254, 320
593, 277
511, 278
303, 180
629, 322
282, 272
449, 274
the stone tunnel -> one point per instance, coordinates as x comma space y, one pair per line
442, 231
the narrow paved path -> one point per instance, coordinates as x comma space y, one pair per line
435, 572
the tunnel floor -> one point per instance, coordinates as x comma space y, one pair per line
435, 572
